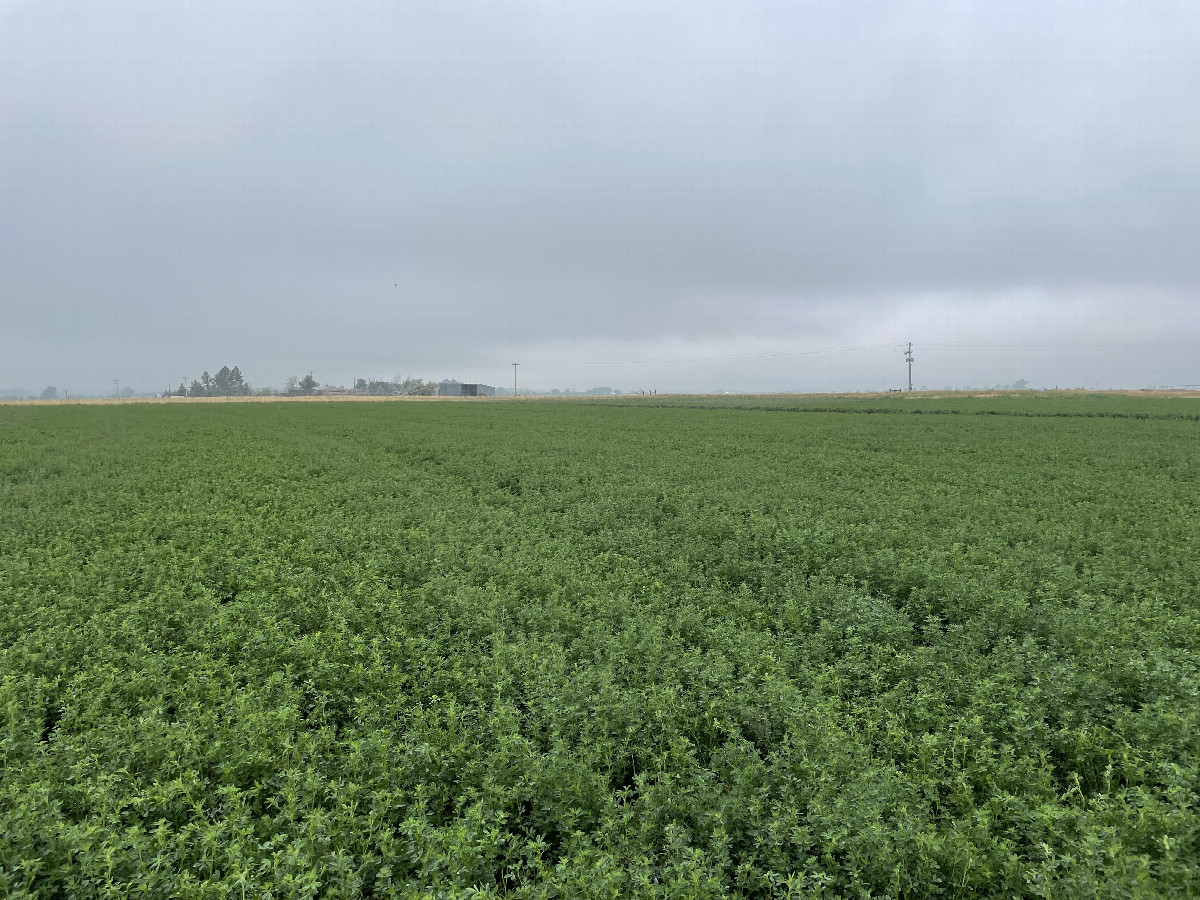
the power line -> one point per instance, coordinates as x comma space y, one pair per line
829, 351
776, 355
907, 348
1051, 345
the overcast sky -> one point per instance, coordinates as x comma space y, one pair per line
680, 196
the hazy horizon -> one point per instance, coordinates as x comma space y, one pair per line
680, 197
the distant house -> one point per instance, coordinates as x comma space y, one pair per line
448, 387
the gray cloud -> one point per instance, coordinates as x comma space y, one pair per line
440, 188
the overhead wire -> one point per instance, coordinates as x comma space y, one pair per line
923, 346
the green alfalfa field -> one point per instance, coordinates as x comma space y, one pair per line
707, 647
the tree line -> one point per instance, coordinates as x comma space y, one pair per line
226, 383
395, 387
229, 382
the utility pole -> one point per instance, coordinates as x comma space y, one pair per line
515, 378
117, 393
908, 357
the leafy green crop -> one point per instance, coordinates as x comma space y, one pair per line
567, 650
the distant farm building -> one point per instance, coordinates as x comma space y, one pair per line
448, 387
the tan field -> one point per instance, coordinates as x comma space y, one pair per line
360, 398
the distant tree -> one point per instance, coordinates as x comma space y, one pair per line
392, 388
182, 392
50, 393
308, 384
1020, 384
290, 384
229, 383
409, 385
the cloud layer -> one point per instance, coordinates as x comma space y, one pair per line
696, 195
